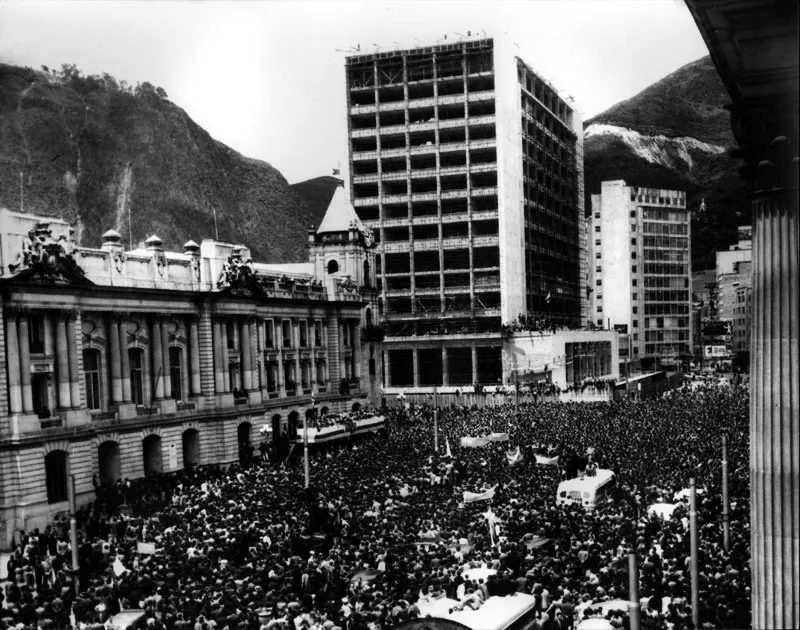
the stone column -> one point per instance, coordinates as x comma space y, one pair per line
774, 410
219, 382
226, 359
124, 362
25, 363
445, 368
157, 358
194, 358
165, 359
415, 364
474, 365
72, 354
12, 358
62, 364
115, 361
247, 355
355, 335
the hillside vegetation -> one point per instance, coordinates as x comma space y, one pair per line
91, 150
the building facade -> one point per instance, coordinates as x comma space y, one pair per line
469, 168
734, 270
119, 364
640, 270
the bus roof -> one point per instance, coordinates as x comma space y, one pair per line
495, 613
601, 478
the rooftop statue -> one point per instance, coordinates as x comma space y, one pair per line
45, 257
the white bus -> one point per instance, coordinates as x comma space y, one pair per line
587, 491
511, 612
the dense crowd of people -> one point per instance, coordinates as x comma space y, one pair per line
246, 548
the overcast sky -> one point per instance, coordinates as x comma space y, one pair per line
267, 77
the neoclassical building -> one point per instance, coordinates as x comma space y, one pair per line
122, 363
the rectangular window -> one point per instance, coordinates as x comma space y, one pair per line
633, 269
597, 242
286, 333
91, 376
230, 333
135, 361
635, 309
636, 323
633, 241
599, 282
635, 296
318, 334
36, 334
598, 255
303, 334
175, 373
596, 228
634, 282
269, 328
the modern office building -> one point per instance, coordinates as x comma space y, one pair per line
640, 270
734, 270
118, 363
468, 166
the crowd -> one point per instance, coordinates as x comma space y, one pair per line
236, 550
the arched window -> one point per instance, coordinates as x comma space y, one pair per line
333, 266
136, 362
91, 376
55, 466
176, 372
369, 317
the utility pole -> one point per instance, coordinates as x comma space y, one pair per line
633, 575
73, 532
21, 194
694, 553
306, 468
726, 515
436, 430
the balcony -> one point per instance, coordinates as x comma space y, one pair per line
484, 95
366, 201
362, 133
484, 192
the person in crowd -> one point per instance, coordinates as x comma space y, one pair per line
234, 548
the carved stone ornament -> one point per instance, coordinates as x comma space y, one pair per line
46, 259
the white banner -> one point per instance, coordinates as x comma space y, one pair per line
486, 495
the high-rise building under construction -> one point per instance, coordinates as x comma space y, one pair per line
468, 166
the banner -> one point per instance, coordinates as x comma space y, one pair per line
146, 548
447, 453
474, 442
472, 497
499, 437
547, 461
514, 456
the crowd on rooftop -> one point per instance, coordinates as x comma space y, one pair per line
236, 548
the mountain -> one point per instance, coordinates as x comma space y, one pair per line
675, 134
317, 193
92, 150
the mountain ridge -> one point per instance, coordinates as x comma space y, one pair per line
674, 134
94, 151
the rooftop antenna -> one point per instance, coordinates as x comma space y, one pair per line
21, 194
216, 229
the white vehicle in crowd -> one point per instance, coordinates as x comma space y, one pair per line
589, 492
